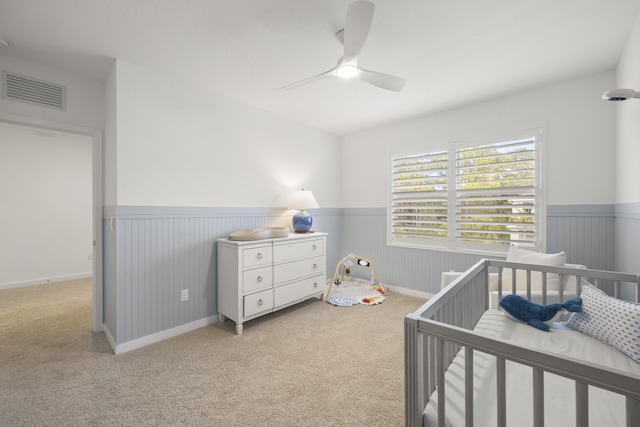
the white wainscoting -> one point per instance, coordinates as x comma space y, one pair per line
152, 253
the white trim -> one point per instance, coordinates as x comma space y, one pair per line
96, 144
188, 327
110, 339
138, 212
48, 280
159, 336
406, 291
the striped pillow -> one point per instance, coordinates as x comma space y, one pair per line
610, 320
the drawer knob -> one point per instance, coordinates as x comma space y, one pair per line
259, 256
315, 247
315, 284
260, 302
259, 279
315, 266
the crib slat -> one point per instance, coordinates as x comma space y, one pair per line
414, 399
578, 285
417, 369
502, 394
538, 397
440, 375
560, 288
544, 287
431, 368
468, 387
633, 412
582, 404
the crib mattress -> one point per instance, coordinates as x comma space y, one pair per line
605, 408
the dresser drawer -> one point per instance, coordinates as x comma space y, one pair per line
297, 269
258, 303
288, 294
256, 279
296, 250
255, 257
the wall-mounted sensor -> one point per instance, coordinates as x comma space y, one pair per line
620, 94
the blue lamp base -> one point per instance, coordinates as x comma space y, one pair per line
302, 222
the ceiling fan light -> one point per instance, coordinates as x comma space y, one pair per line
347, 71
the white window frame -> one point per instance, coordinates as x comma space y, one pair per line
452, 243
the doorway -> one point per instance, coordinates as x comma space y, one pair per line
52, 191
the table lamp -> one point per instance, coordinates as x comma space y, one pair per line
302, 199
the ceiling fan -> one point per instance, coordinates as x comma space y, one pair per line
353, 37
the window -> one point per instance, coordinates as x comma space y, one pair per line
472, 196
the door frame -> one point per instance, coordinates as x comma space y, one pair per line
97, 316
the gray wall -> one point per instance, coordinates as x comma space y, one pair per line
627, 242
584, 232
154, 252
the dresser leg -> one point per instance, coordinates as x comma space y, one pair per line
239, 328
221, 318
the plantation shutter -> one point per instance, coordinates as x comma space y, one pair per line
480, 196
495, 193
419, 196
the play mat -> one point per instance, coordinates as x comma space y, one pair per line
347, 290
356, 291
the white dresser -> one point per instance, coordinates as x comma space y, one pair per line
260, 276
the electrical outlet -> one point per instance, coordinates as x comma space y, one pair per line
184, 295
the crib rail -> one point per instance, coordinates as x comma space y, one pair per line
599, 278
421, 379
436, 331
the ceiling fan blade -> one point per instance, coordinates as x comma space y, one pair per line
308, 80
353, 36
384, 81
356, 28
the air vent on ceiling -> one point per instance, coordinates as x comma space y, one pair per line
33, 91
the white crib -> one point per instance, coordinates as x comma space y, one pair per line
443, 345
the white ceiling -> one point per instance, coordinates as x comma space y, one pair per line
452, 52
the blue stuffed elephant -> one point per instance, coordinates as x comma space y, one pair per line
525, 311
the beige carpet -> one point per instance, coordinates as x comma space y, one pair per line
310, 365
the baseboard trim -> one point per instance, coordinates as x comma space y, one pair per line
188, 327
110, 339
411, 292
45, 280
159, 336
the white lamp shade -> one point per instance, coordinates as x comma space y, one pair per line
303, 199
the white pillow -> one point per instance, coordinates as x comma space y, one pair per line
525, 256
610, 320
